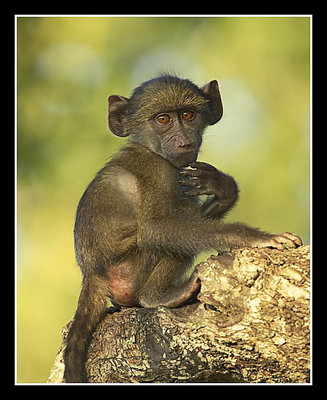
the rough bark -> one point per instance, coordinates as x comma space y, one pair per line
250, 324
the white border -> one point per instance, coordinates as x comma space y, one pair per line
16, 16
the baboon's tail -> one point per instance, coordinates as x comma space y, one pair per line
91, 306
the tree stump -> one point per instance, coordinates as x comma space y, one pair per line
250, 324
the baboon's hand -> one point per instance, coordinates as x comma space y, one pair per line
279, 241
202, 179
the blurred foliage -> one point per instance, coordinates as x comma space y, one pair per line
67, 67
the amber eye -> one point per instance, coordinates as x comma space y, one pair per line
188, 115
163, 118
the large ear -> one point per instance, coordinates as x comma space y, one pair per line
211, 91
117, 107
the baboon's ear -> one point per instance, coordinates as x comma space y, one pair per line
117, 107
211, 91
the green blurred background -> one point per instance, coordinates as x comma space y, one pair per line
67, 67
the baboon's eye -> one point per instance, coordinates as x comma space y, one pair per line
163, 118
188, 115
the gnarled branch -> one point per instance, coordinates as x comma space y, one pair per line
250, 324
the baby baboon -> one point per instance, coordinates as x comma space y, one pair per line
140, 222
